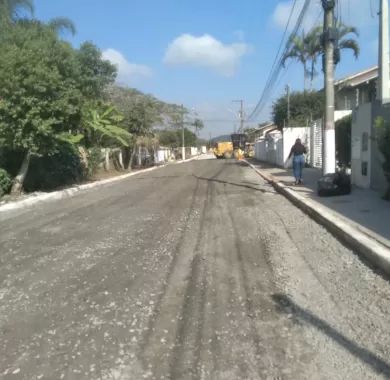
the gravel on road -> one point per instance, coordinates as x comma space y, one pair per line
193, 271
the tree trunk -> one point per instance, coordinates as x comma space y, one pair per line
107, 159
312, 75
305, 78
120, 159
132, 156
126, 154
83, 153
17, 186
139, 157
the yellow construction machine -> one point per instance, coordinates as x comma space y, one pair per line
239, 141
223, 149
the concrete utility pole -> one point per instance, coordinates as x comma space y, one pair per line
183, 148
384, 70
329, 39
241, 114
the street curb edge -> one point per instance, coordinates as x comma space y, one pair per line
368, 247
72, 191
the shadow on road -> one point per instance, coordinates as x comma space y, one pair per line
287, 305
232, 183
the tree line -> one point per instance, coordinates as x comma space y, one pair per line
60, 106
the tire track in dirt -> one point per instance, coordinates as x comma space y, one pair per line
177, 291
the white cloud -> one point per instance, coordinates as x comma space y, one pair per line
206, 51
128, 73
357, 13
281, 14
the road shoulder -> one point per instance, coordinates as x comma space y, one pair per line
33, 199
361, 240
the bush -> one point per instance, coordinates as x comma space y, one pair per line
382, 129
5, 182
11, 160
94, 160
52, 171
343, 140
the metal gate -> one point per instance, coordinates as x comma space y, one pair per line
316, 145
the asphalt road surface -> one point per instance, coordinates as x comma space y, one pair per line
192, 271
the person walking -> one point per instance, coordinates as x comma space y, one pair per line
298, 151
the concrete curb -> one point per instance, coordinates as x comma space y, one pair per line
72, 191
374, 250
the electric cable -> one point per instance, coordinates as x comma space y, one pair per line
274, 74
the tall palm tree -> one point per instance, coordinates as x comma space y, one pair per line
11, 9
62, 24
308, 47
313, 46
298, 52
348, 43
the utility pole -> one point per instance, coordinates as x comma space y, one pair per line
241, 114
329, 40
183, 148
384, 74
288, 105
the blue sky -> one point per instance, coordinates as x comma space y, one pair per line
205, 53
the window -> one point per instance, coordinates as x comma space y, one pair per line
365, 168
365, 142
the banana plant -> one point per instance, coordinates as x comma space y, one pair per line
102, 124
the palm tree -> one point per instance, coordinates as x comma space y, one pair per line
298, 51
307, 48
313, 46
62, 24
10, 9
348, 43
198, 125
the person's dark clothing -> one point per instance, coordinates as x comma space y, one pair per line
297, 150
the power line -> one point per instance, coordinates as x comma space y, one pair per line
277, 57
276, 70
274, 75
284, 34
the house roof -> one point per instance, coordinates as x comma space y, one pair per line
265, 127
358, 78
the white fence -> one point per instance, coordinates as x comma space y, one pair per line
316, 146
275, 147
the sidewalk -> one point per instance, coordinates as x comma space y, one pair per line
361, 217
364, 207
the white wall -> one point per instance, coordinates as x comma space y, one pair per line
194, 151
279, 156
338, 115
361, 124
260, 150
289, 137
275, 147
162, 155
